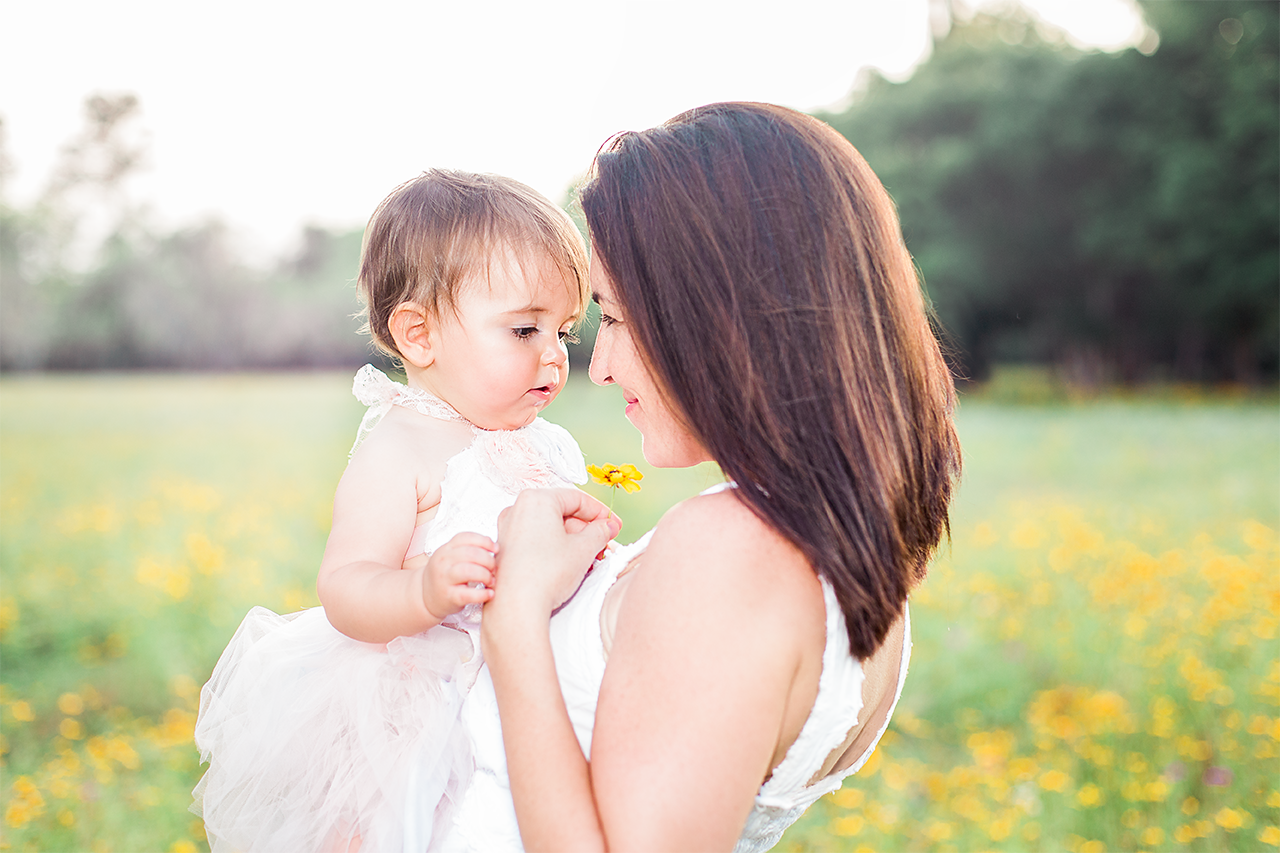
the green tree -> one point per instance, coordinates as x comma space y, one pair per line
1112, 213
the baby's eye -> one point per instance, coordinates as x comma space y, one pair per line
524, 332
567, 336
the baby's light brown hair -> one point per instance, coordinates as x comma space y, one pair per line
436, 231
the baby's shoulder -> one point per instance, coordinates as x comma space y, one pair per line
411, 439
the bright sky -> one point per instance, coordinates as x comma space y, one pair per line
271, 115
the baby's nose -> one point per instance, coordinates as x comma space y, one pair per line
557, 353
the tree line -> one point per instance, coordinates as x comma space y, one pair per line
87, 283
1116, 215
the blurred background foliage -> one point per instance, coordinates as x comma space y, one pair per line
1112, 215
87, 283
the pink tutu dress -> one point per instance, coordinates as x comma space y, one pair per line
314, 739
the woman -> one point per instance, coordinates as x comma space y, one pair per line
759, 310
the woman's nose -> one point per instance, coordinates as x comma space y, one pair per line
599, 369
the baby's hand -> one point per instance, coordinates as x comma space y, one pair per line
466, 559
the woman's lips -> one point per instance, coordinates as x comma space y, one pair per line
632, 403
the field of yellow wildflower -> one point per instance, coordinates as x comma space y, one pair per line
1096, 653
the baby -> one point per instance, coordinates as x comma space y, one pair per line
325, 729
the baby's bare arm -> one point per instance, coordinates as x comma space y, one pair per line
369, 593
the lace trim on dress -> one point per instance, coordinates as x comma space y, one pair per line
379, 392
536, 455
540, 454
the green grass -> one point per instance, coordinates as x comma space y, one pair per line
1110, 592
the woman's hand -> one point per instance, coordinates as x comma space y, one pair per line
547, 540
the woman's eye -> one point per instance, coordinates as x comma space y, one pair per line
524, 332
606, 320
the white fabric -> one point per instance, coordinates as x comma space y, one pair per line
486, 821
314, 738
376, 390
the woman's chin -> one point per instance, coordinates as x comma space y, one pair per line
659, 455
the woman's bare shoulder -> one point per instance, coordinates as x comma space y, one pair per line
715, 541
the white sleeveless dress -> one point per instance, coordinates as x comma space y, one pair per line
486, 821
314, 738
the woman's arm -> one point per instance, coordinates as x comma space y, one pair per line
546, 542
714, 643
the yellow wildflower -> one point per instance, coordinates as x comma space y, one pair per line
1089, 796
626, 476
21, 712
848, 798
1229, 819
71, 704
1270, 835
846, 826
26, 802
1054, 780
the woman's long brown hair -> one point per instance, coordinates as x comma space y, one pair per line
761, 269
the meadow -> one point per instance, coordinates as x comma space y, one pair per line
1096, 662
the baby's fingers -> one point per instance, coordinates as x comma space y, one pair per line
472, 540
470, 555
464, 595
461, 574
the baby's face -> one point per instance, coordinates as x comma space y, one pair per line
500, 356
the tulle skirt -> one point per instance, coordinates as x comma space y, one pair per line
315, 740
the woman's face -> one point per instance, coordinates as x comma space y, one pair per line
664, 441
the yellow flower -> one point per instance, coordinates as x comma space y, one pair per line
1089, 796
1054, 780
626, 476
71, 704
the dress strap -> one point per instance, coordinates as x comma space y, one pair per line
379, 392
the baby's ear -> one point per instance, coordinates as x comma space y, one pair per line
412, 328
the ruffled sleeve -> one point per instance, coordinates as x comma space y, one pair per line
376, 390
540, 455
561, 450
